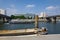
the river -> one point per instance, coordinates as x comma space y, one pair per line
53, 27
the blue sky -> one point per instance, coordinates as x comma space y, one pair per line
50, 7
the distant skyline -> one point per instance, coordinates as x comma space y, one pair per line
50, 7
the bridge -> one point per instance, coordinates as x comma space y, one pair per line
4, 18
50, 18
53, 18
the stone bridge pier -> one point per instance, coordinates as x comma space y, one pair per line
3, 19
53, 19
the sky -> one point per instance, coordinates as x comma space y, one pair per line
50, 7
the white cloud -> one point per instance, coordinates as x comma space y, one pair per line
11, 10
53, 10
30, 6
12, 5
51, 7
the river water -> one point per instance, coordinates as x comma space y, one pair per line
53, 27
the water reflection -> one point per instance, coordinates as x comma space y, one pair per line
53, 27
1, 25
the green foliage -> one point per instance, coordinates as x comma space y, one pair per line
12, 16
20, 17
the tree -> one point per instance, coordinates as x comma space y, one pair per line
20, 17
12, 16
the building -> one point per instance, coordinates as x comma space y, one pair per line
2, 11
42, 14
26, 15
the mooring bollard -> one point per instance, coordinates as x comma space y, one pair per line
36, 21
36, 24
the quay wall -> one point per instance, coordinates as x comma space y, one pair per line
33, 20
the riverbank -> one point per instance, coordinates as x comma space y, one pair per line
32, 37
23, 32
17, 32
